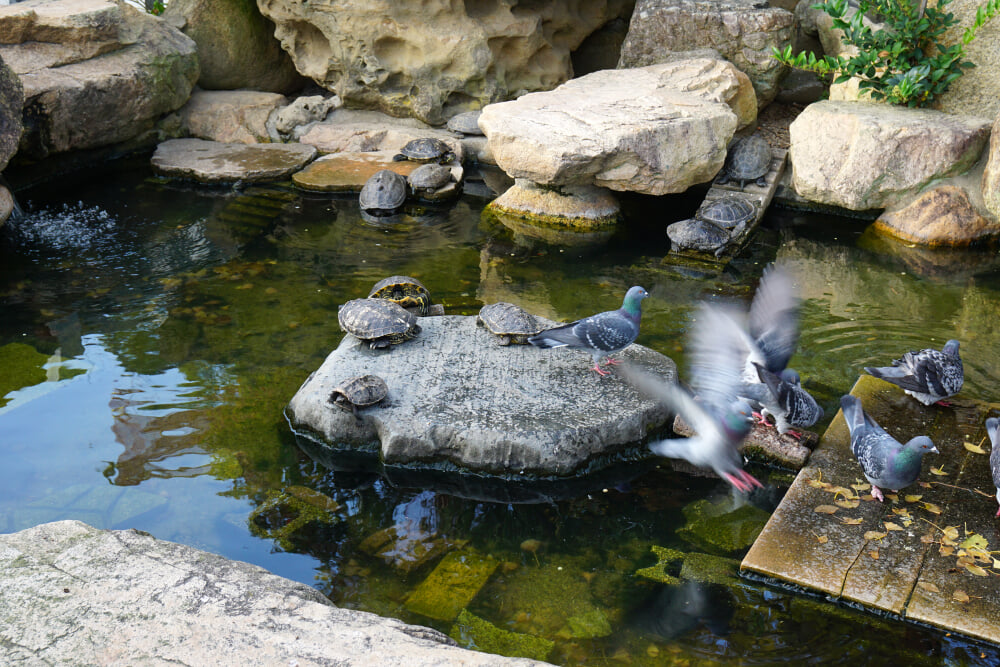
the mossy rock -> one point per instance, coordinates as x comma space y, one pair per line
473, 632
720, 529
589, 625
22, 367
709, 569
452, 585
658, 572
282, 515
408, 551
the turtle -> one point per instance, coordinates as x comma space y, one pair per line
380, 322
696, 234
510, 323
466, 123
406, 291
383, 193
730, 212
426, 149
748, 159
427, 178
358, 392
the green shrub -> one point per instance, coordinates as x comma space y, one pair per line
902, 61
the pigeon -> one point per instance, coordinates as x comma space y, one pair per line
602, 334
787, 401
720, 419
993, 430
773, 322
930, 376
884, 461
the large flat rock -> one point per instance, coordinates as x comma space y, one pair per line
216, 161
456, 397
76, 595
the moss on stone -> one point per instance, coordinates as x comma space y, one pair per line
721, 529
709, 569
588, 625
22, 367
282, 515
658, 572
452, 585
473, 632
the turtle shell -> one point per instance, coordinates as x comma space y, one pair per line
429, 177
701, 235
730, 212
511, 324
466, 123
406, 291
359, 392
748, 159
380, 322
383, 193
426, 149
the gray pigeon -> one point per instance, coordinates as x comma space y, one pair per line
774, 320
787, 401
930, 376
720, 419
602, 334
885, 462
993, 430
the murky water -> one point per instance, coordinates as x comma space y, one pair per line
151, 334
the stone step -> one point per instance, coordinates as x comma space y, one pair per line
894, 557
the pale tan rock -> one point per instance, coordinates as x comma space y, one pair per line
348, 171
991, 173
580, 206
292, 121
862, 156
230, 116
940, 216
977, 91
11, 103
654, 130
430, 60
741, 30
6, 204
346, 132
217, 162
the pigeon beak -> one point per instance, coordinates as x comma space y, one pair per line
934, 450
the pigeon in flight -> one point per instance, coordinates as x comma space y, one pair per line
602, 334
885, 462
930, 376
993, 430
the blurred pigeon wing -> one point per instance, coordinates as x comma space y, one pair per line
774, 318
716, 356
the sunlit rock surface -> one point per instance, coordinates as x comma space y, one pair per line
89, 596
230, 116
654, 130
431, 60
991, 172
940, 216
214, 161
456, 397
95, 72
571, 208
743, 31
11, 101
350, 130
861, 155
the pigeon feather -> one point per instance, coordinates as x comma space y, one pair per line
993, 430
928, 375
787, 401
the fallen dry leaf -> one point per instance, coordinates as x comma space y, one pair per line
889, 525
996, 564
912, 499
932, 508
960, 596
874, 535
928, 586
850, 521
901, 511
892, 496
976, 570
939, 471
819, 484
826, 509
974, 542
924, 485
951, 532
946, 551
861, 487
874, 554
975, 449
847, 504
822, 539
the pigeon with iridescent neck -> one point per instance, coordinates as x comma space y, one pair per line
993, 430
786, 401
602, 334
930, 376
884, 461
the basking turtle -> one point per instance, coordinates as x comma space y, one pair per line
701, 235
428, 178
427, 149
383, 193
511, 324
406, 291
748, 159
466, 123
730, 212
359, 392
380, 322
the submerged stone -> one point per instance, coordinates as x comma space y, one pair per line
452, 585
407, 550
567, 208
348, 172
474, 632
102, 505
721, 528
666, 557
283, 516
709, 569
589, 625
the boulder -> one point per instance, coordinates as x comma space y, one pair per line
236, 45
230, 116
346, 131
458, 398
940, 216
567, 215
743, 31
11, 102
860, 156
349, 171
90, 596
977, 92
216, 162
431, 60
654, 130
6, 204
991, 173
95, 72
293, 120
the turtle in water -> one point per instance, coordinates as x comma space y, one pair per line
406, 291
730, 212
427, 149
696, 234
428, 178
383, 193
510, 323
359, 392
748, 159
380, 322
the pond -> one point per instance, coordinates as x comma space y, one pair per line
152, 332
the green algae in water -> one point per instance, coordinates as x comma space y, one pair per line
589, 625
709, 569
284, 515
473, 632
452, 585
665, 558
22, 367
717, 528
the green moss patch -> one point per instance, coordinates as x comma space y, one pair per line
473, 632
658, 572
452, 585
720, 529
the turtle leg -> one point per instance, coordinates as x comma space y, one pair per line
762, 181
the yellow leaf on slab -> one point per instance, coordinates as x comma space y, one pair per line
996, 564
939, 471
892, 496
889, 525
976, 570
819, 484
847, 504
874, 554
842, 491
900, 511
946, 551
912, 499
975, 542
851, 522
951, 532
868, 498
932, 508
928, 586
960, 596
826, 509
975, 449
874, 535
861, 487
822, 539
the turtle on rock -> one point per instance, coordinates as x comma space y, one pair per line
510, 323
406, 291
700, 235
748, 159
359, 392
428, 178
379, 322
426, 149
383, 193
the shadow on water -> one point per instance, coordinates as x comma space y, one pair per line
153, 332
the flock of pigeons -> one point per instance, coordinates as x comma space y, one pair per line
739, 372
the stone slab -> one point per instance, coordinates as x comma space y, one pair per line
213, 161
900, 572
452, 585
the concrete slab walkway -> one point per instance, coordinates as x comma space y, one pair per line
923, 555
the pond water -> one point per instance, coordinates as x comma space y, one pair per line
152, 332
